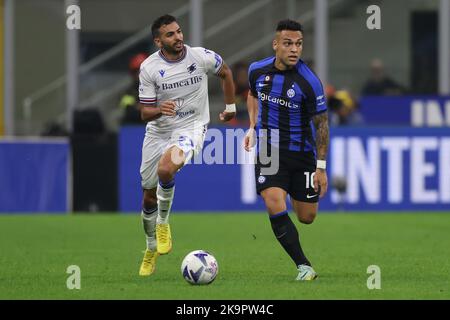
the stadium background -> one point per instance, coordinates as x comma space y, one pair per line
68, 146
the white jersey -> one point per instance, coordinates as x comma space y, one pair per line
184, 81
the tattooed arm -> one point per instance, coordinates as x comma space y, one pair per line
322, 140
322, 134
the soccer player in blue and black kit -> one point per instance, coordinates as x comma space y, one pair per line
287, 110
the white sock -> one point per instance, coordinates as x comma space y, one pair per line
165, 197
149, 222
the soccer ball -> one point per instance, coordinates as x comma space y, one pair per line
199, 267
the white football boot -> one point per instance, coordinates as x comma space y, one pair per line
306, 273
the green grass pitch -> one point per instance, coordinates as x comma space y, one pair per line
411, 249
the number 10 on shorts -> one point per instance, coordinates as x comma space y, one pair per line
309, 178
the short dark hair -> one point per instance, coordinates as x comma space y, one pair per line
165, 19
289, 25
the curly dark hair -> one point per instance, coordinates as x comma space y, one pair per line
163, 20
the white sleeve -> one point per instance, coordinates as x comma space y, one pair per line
213, 61
147, 91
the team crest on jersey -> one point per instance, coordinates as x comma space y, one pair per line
179, 112
291, 93
162, 72
179, 103
192, 68
267, 78
261, 179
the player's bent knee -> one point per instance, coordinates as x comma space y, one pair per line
270, 200
149, 202
308, 218
165, 173
274, 204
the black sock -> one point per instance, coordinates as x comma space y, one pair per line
286, 233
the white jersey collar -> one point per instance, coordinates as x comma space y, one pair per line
161, 54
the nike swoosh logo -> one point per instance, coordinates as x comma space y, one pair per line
281, 236
263, 84
309, 196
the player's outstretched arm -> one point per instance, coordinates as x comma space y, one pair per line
252, 108
228, 91
322, 140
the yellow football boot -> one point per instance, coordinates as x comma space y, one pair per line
163, 238
148, 263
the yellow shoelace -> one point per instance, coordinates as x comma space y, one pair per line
163, 234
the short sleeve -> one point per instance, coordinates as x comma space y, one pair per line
213, 61
252, 80
147, 90
317, 102
320, 105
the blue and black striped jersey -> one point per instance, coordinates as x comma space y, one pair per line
287, 101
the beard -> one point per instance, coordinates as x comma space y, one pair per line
172, 49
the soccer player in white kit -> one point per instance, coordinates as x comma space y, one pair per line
173, 94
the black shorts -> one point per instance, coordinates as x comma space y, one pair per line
295, 175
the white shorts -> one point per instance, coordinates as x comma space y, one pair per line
155, 145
